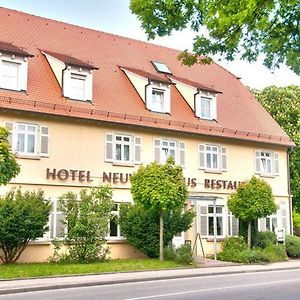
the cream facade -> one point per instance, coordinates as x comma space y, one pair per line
76, 159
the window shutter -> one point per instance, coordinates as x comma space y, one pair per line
213, 108
182, 154
108, 147
262, 224
167, 100
59, 226
235, 226
284, 220
201, 151
67, 83
10, 126
157, 150
203, 220
149, 96
137, 150
223, 159
89, 87
23, 75
276, 164
44, 141
257, 162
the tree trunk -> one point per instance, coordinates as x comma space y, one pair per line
249, 234
161, 236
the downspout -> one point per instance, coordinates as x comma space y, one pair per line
289, 192
62, 79
195, 107
146, 100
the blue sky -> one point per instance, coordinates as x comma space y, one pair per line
114, 16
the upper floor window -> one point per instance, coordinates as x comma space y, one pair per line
121, 148
212, 157
166, 148
158, 98
28, 139
206, 106
77, 86
266, 163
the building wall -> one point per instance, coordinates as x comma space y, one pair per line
80, 145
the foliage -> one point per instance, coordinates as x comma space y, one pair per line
243, 230
59, 269
245, 28
140, 226
160, 188
87, 220
9, 168
23, 217
283, 103
251, 201
292, 244
235, 249
296, 219
264, 238
182, 254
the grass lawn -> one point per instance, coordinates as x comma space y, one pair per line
52, 269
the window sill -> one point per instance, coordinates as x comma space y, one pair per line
123, 164
219, 239
116, 240
213, 171
24, 156
40, 242
267, 175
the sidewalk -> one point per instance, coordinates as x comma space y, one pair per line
27, 285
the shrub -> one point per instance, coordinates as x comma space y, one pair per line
141, 227
23, 217
275, 252
252, 256
182, 254
264, 238
87, 220
292, 244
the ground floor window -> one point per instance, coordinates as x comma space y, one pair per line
114, 227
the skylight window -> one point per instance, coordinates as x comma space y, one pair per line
161, 67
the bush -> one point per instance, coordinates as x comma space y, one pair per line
182, 254
264, 238
292, 244
140, 226
231, 249
23, 217
87, 220
275, 252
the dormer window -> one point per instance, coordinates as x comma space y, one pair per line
206, 106
161, 67
158, 97
73, 75
13, 67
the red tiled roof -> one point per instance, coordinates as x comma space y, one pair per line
10, 48
239, 115
69, 60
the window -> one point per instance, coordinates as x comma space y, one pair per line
206, 107
271, 223
165, 148
266, 163
212, 157
114, 228
219, 219
161, 67
28, 139
158, 97
158, 100
10, 75
233, 225
77, 90
122, 149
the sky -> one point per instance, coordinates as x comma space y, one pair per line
114, 16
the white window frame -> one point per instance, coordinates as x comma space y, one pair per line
272, 159
115, 214
205, 97
123, 143
158, 100
211, 150
210, 215
16, 78
162, 88
22, 71
40, 137
74, 90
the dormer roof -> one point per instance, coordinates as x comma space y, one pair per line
12, 49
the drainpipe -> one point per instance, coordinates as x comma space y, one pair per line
289, 191
62, 79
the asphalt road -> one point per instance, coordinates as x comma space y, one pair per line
281, 285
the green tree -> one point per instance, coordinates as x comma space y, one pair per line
251, 201
87, 219
9, 168
141, 228
229, 27
161, 188
23, 217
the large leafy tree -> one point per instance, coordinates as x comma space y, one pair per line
161, 188
229, 27
9, 168
251, 201
284, 106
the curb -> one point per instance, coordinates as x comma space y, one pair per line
120, 281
